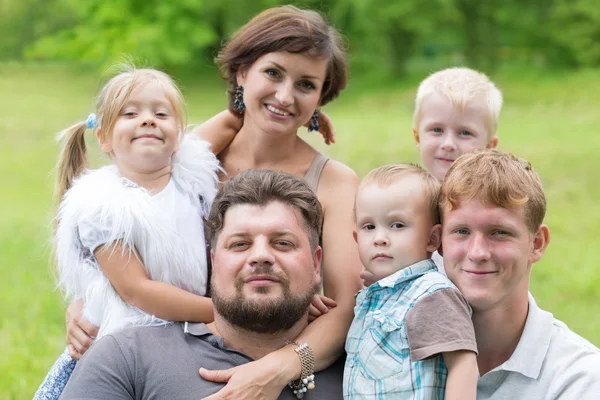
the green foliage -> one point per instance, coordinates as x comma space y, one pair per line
383, 35
576, 28
162, 33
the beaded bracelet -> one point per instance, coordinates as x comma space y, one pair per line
307, 362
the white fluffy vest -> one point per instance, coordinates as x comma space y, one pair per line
128, 210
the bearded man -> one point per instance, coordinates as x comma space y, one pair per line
264, 228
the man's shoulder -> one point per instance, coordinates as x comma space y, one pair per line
571, 347
139, 337
572, 365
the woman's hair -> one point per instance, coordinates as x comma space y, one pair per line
113, 96
290, 29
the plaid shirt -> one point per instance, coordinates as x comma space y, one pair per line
378, 364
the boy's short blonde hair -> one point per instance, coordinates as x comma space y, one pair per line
497, 178
389, 174
461, 86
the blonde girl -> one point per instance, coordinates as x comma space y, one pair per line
129, 236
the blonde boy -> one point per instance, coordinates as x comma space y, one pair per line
456, 111
412, 335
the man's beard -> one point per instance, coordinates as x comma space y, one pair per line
263, 316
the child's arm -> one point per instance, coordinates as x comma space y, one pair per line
219, 130
462, 375
325, 128
128, 276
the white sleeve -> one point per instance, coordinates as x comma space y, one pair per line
94, 232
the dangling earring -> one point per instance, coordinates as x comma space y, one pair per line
238, 101
314, 122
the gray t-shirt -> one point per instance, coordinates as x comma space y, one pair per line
163, 363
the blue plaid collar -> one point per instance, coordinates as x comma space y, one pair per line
405, 274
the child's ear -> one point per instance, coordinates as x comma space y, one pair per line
355, 236
105, 145
493, 143
417, 138
435, 238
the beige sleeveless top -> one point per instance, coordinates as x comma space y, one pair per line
313, 174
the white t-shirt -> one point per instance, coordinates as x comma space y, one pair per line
550, 362
187, 217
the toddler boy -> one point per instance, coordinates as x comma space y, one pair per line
412, 335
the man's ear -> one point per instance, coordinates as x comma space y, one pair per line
317, 258
417, 138
435, 238
493, 143
105, 144
541, 239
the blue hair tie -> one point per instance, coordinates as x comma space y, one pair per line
90, 122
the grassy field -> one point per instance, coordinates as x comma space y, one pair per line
552, 119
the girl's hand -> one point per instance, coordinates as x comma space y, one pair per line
257, 380
80, 332
319, 306
325, 127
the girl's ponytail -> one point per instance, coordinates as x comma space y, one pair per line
72, 160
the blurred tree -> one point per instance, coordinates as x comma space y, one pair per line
575, 29
382, 34
22, 22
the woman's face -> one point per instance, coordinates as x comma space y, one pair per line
282, 90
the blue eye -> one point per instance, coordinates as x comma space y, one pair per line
397, 225
272, 73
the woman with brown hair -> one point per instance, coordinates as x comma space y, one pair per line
281, 66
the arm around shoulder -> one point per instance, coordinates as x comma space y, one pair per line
341, 264
219, 130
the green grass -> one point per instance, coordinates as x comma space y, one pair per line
551, 119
